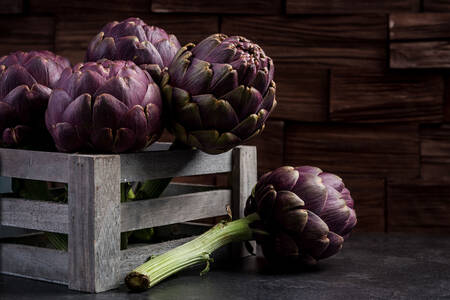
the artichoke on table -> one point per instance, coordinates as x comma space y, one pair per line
308, 213
26, 81
298, 215
219, 93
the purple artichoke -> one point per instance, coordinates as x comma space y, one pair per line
26, 81
104, 106
308, 213
298, 215
149, 47
219, 93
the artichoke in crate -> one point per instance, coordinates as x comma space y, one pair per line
150, 47
104, 106
26, 81
218, 93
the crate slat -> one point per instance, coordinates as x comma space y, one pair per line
164, 164
175, 189
33, 214
38, 165
33, 262
174, 209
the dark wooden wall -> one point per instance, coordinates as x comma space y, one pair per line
363, 86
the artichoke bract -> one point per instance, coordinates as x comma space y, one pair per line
150, 47
104, 106
307, 212
298, 215
218, 93
26, 81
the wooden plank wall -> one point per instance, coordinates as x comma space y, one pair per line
363, 86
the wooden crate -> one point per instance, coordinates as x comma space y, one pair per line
94, 216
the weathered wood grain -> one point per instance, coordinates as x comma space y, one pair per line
419, 40
173, 209
302, 93
369, 196
420, 55
48, 166
159, 146
260, 7
86, 6
72, 36
244, 178
419, 26
380, 150
435, 153
33, 262
436, 5
94, 222
362, 96
175, 189
11, 6
26, 33
418, 206
350, 7
270, 146
164, 164
33, 214
319, 41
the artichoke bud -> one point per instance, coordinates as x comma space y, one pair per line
125, 114
308, 213
231, 69
149, 47
26, 81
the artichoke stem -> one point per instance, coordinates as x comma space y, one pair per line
192, 253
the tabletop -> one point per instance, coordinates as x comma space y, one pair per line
370, 266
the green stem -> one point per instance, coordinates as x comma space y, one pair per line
191, 253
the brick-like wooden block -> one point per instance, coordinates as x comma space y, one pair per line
380, 150
419, 26
362, 96
73, 36
302, 92
350, 6
436, 5
26, 33
370, 197
435, 152
419, 40
270, 146
418, 206
420, 55
87, 6
321, 41
11, 6
261, 7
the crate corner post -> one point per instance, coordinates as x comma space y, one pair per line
244, 178
94, 222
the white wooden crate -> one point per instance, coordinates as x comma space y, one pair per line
94, 216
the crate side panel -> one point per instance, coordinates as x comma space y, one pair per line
32, 214
174, 209
33, 262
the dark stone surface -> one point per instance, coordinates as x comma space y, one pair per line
371, 266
